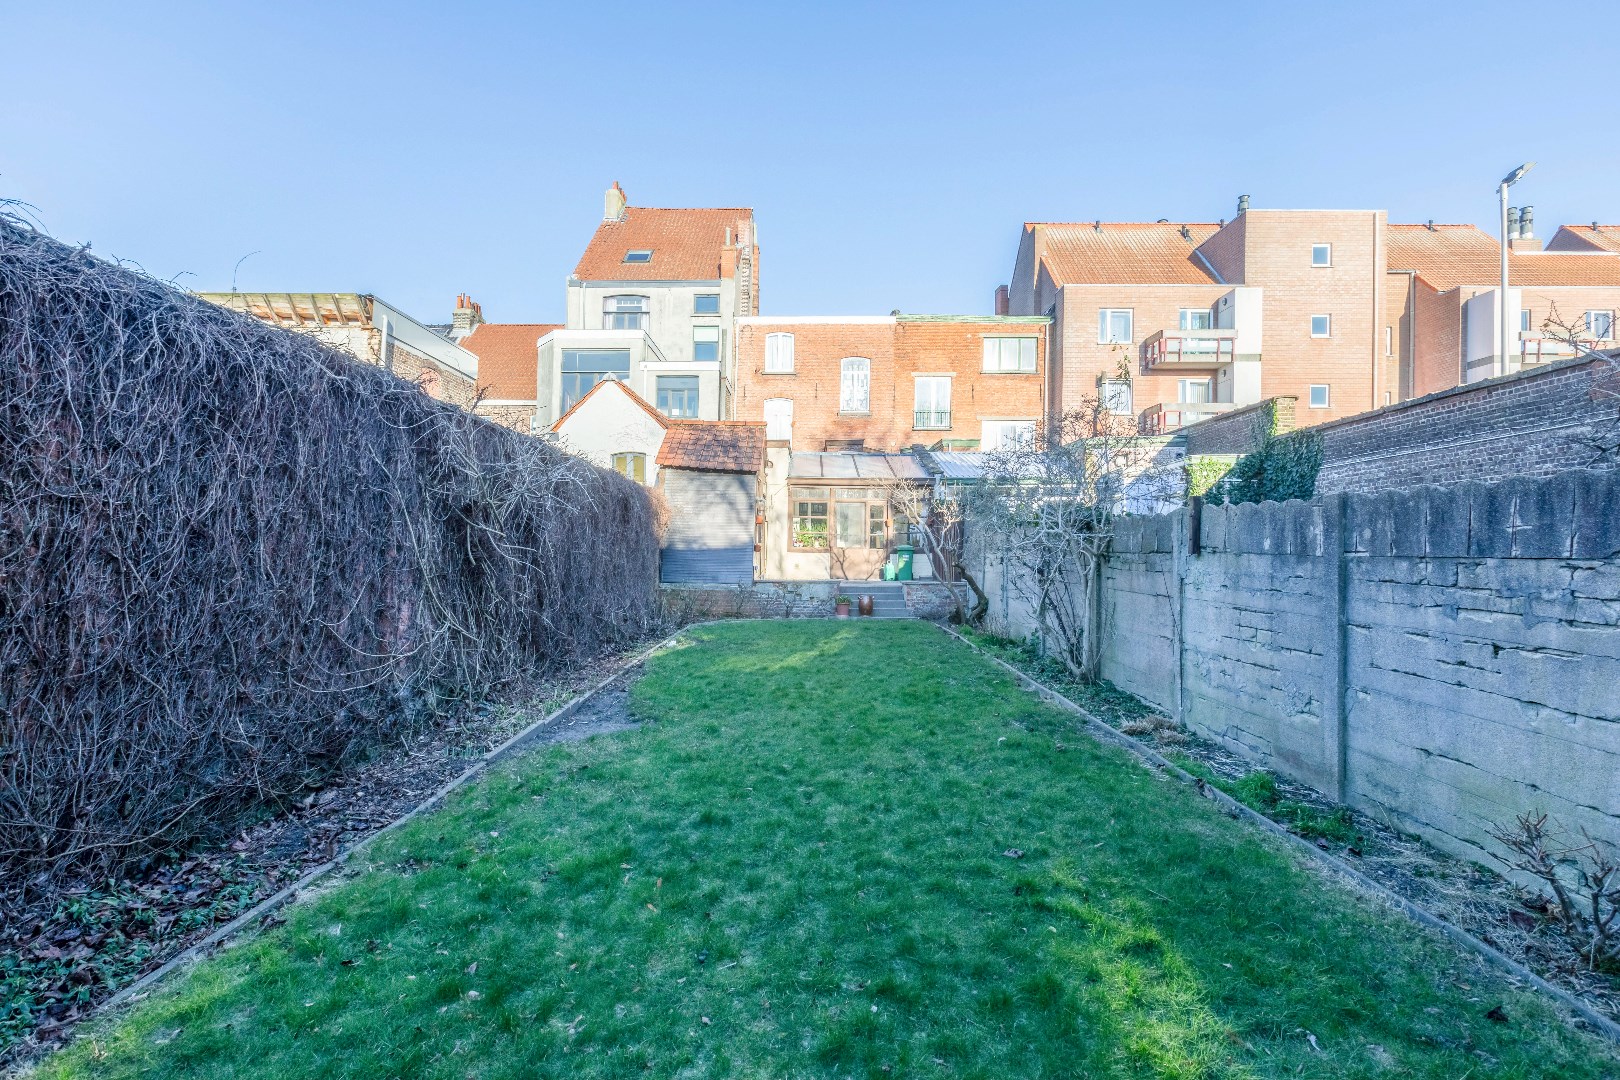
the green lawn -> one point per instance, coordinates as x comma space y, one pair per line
800, 868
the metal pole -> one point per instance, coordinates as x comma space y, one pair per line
1502, 300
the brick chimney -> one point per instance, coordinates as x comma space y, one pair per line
614, 203
467, 317
1003, 301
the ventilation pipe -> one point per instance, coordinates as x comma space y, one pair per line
1513, 223
1243, 204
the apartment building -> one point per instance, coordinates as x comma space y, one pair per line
830, 383
1444, 325
653, 303
1175, 322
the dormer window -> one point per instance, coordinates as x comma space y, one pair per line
624, 313
641, 255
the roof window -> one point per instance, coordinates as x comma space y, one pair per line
639, 256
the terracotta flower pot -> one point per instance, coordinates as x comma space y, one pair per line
842, 609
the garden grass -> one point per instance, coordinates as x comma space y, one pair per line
835, 849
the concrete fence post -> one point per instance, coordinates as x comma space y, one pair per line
1335, 714
1181, 543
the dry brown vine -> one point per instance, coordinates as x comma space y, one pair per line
233, 558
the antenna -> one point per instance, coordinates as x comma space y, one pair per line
238, 266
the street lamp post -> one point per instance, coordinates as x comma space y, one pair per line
1502, 301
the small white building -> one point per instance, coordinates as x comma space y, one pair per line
614, 428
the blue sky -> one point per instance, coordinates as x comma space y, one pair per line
890, 151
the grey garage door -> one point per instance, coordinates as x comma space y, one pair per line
711, 529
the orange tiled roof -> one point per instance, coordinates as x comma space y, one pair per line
685, 244
629, 393
1123, 253
714, 446
1447, 256
1585, 237
507, 357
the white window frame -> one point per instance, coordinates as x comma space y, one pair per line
1024, 354
700, 336
1181, 318
1181, 391
1105, 316
1117, 396
779, 353
1327, 396
1327, 255
1524, 320
705, 296
1607, 317
779, 427
1328, 319
1024, 429
626, 304
855, 386
934, 384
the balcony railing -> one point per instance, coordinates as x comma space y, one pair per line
931, 420
1160, 419
1189, 348
1537, 348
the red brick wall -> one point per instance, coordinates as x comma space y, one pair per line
957, 349
1278, 259
818, 349
1531, 424
1154, 308
898, 350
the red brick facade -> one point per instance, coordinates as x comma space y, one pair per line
901, 350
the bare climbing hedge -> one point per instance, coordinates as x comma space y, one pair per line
232, 559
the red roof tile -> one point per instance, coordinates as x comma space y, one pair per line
714, 446
1585, 238
629, 393
1447, 256
685, 244
508, 360
1123, 253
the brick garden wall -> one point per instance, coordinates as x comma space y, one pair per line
1521, 425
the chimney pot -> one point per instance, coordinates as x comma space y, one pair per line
1526, 223
613, 203
1513, 223
1431, 225
1243, 204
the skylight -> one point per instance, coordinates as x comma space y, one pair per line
643, 255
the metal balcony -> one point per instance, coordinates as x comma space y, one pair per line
1189, 348
1162, 419
1538, 348
931, 420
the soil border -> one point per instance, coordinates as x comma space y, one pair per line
291, 893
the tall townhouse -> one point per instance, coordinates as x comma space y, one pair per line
881, 383
653, 303
1175, 322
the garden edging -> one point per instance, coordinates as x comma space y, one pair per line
1105, 733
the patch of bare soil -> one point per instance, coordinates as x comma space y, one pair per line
1517, 921
65, 947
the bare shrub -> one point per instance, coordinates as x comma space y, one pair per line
1583, 878
233, 558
